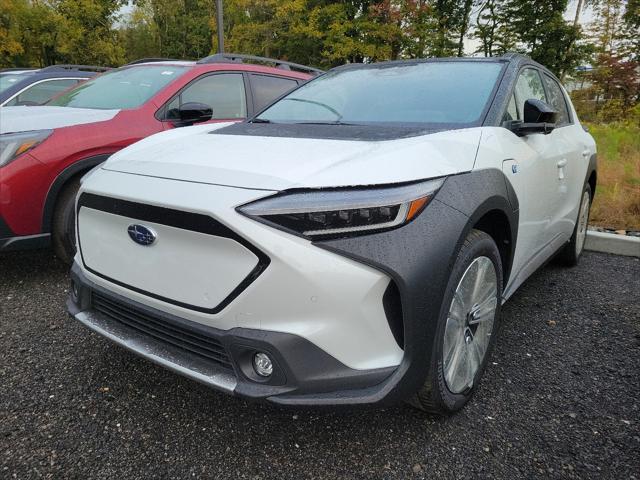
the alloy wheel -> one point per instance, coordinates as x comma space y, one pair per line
470, 324
583, 220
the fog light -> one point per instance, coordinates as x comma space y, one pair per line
75, 291
262, 364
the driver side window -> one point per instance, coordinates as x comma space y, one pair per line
529, 85
223, 92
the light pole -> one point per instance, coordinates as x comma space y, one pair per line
219, 26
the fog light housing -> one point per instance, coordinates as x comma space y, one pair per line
262, 364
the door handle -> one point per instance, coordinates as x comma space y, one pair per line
562, 163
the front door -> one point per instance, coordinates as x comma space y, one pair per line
533, 173
571, 167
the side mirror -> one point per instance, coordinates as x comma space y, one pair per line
193, 112
538, 118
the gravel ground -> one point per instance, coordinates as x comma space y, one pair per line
560, 399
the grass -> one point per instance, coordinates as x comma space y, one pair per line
617, 201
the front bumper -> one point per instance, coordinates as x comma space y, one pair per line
221, 359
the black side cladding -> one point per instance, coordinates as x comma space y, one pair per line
5, 231
419, 257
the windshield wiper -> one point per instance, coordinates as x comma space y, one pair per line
337, 122
260, 120
313, 102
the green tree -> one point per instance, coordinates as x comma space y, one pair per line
534, 27
183, 27
88, 35
11, 15
139, 35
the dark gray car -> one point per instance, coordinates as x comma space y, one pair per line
38, 86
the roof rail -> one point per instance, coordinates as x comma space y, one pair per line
17, 69
239, 58
88, 68
151, 60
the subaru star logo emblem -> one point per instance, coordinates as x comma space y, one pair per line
141, 235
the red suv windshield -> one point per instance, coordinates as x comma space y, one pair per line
127, 87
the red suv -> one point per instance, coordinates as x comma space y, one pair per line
44, 151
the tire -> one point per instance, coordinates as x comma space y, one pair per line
446, 391
572, 251
64, 219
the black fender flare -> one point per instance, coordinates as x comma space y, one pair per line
61, 180
419, 258
479, 193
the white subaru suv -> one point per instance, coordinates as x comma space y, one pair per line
351, 244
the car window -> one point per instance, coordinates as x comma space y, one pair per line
557, 100
9, 80
512, 110
392, 94
266, 89
42, 92
127, 87
529, 85
223, 92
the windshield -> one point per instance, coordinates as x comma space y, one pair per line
119, 89
9, 79
413, 93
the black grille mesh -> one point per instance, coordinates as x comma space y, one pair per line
160, 329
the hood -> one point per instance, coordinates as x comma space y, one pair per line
22, 119
276, 163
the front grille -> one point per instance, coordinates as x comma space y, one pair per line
172, 333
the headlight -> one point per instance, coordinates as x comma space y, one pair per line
339, 212
12, 145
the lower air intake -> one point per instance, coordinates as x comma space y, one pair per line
180, 336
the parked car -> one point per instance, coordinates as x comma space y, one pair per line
44, 151
38, 86
353, 243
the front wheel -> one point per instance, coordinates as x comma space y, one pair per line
570, 254
466, 328
64, 219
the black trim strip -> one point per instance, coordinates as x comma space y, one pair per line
27, 242
195, 222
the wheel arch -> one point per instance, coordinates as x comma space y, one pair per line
68, 174
496, 223
592, 174
487, 198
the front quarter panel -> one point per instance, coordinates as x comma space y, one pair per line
419, 258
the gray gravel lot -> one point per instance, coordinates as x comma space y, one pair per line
559, 401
